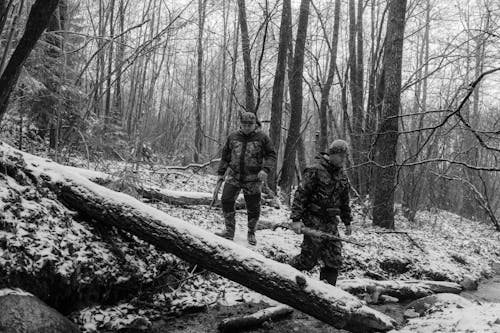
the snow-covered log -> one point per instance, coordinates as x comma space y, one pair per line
403, 290
236, 324
235, 262
179, 198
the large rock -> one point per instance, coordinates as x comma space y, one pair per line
469, 283
423, 304
21, 312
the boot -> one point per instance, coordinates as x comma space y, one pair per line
230, 222
251, 238
329, 274
252, 225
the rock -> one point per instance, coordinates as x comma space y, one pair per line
410, 313
395, 265
423, 304
497, 321
469, 283
22, 312
388, 299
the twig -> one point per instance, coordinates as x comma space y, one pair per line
402, 232
193, 165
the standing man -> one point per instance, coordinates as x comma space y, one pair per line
322, 196
249, 155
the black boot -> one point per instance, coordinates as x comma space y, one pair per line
252, 225
230, 226
329, 274
251, 238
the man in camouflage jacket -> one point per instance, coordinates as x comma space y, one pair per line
322, 196
247, 156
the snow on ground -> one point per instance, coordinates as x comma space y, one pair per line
450, 316
37, 229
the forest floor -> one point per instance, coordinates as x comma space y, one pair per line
176, 296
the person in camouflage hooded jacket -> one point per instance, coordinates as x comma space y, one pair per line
322, 196
247, 156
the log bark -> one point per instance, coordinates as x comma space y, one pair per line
403, 290
256, 319
235, 262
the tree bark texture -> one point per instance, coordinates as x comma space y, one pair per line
278, 85
387, 139
403, 290
296, 100
325, 92
247, 62
255, 319
38, 19
198, 137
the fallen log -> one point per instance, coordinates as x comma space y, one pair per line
403, 290
178, 198
193, 244
236, 324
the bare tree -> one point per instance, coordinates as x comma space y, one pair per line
278, 86
245, 49
38, 19
325, 92
198, 138
296, 99
387, 138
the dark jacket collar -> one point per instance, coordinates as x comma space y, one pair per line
249, 134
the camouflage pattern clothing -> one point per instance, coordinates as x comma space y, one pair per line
245, 155
323, 194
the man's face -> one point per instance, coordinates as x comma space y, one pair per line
248, 127
338, 159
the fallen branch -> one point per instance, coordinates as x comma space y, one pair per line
403, 290
258, 318
402, 232
266, 224
193, 165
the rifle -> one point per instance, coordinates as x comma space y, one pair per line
216, 192
317, 233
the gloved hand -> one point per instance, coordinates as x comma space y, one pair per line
348, 230
297, 226
262, 175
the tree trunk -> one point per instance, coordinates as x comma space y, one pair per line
325, 92
387, 140
222, 97
235, 262
107, 106
13, 28
4, 13
278, 86
120, 53
403, 290
245, 49
38, 19
258, 318
296, 99
198, 137
233, 78
356, 89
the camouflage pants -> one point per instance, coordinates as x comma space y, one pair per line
252, 194
314, 249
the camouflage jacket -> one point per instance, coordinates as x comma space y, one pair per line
245, 155
324, 190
